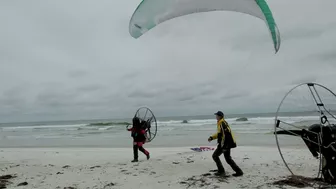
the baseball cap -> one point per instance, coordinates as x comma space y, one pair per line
219, 113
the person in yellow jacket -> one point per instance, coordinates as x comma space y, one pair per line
226, 141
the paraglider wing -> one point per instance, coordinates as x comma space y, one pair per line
151, 13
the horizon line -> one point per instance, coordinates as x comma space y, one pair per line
155, 116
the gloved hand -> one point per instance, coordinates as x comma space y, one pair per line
210, 139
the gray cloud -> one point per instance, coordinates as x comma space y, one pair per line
235, 94
90, 88
144, 93
323, 57
77, 74
79, 61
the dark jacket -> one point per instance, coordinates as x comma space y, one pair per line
138, 135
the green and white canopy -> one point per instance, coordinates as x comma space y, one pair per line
151, 13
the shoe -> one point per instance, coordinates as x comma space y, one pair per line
238, 174
147, 156
220, 173
134, 160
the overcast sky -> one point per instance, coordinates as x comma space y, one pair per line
75, 59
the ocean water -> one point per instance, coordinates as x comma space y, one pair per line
171, 132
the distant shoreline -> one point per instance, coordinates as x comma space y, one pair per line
87, 121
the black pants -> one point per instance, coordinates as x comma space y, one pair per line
227, 155
135, 151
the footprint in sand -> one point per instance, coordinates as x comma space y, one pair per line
11, 166
93, 167
196, 182
23, 184
5, 180
109, 185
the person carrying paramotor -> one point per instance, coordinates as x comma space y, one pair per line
138, 134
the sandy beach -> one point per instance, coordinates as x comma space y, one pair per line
103, 168
86, 156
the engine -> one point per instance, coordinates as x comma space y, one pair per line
312, 138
